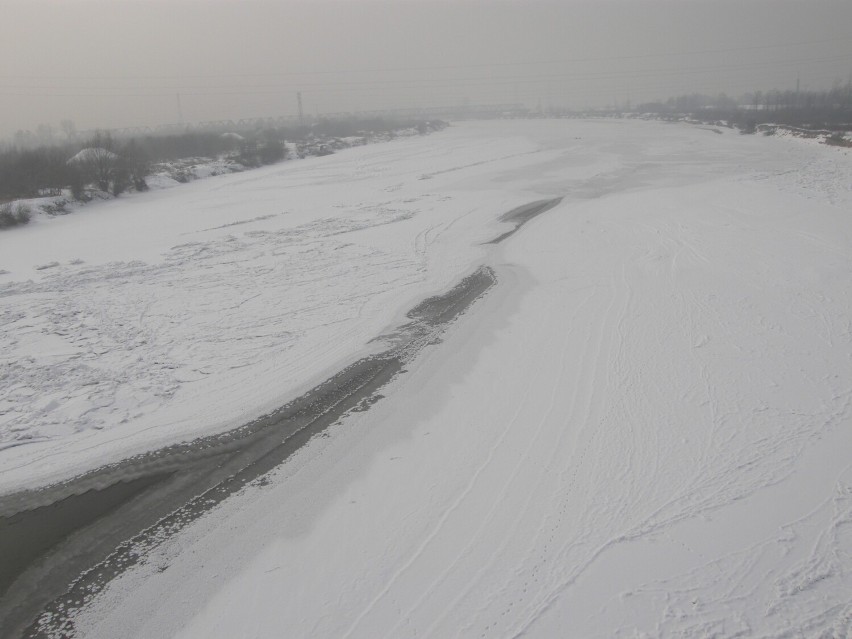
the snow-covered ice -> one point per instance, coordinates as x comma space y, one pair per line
134, 323
642, 431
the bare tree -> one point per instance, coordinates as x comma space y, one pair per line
97, 162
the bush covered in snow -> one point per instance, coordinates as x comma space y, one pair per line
265, 148
13, 215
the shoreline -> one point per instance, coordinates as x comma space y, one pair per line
147, 498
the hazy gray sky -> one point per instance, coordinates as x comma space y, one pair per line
107, 63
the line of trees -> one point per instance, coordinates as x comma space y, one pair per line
836, 99
114, 165
830, 109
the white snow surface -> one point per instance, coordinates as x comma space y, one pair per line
643, 431
165, 315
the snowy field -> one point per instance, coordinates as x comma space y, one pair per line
644, 430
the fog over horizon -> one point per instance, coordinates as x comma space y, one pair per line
121, 63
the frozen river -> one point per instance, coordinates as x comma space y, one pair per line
641, 430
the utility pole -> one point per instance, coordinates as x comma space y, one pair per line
301, 114
179, 110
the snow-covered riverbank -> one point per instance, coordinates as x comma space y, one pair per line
643, 431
